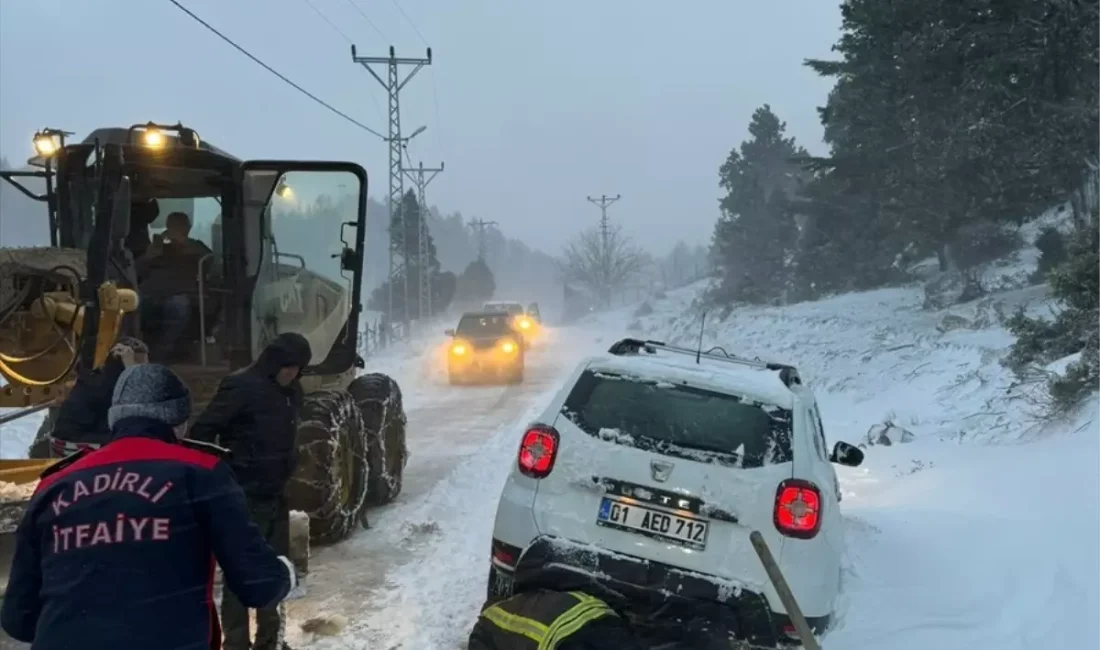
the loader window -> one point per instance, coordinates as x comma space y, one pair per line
678, 420
301, 287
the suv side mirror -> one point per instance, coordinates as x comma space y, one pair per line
448, 332
846, 454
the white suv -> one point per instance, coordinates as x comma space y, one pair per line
648, 472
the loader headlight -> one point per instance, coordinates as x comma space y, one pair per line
46, 143
458, 349
284, 191
525, 323
508, 347
153, 138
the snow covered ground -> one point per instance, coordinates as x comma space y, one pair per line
982, 533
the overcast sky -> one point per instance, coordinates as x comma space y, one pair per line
532, 105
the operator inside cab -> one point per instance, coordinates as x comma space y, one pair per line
168, 280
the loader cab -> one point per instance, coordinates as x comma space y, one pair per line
274, 246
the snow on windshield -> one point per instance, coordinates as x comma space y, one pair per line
679, 420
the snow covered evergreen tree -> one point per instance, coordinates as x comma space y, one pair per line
756, 233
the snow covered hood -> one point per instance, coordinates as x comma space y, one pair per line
759, 385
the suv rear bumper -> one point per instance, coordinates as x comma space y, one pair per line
665, 597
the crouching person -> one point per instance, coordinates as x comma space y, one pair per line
81, 421
552, 610
118, 544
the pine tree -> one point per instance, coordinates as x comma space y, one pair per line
443, 283
755, 235
476, 284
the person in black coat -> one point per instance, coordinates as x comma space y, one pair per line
80, 421
117, 546
254, 415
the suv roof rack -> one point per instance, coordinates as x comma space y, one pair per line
788, 374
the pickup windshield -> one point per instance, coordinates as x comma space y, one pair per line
678, 420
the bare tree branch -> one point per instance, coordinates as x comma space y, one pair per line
585, 262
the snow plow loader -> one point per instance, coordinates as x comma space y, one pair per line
270, 266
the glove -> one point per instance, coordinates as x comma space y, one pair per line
290, 570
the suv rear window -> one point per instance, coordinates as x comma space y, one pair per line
678, 420
484, 325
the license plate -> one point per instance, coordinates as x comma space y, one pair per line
661, 524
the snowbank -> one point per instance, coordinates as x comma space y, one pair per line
877, 356
957, 547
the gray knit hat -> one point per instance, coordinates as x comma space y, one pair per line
150, 390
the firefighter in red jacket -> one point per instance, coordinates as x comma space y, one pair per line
118, 545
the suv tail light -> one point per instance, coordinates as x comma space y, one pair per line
537, 451
798, 509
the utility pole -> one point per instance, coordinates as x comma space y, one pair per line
480, 226
399, 263
417, 176
605, 241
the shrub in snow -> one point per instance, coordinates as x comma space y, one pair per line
1052, 252
887, 434
951, 288
644, 309
1076, 328
953, 322
982, 242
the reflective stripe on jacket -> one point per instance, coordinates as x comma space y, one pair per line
539, 619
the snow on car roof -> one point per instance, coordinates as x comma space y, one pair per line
502, 303
757, 384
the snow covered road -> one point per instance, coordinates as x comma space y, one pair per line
386, 580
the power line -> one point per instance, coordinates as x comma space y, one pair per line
367, 18
416, 175
276, 73
411, 24
373, 101
399, 258
325, 18
605, 243
480, 225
